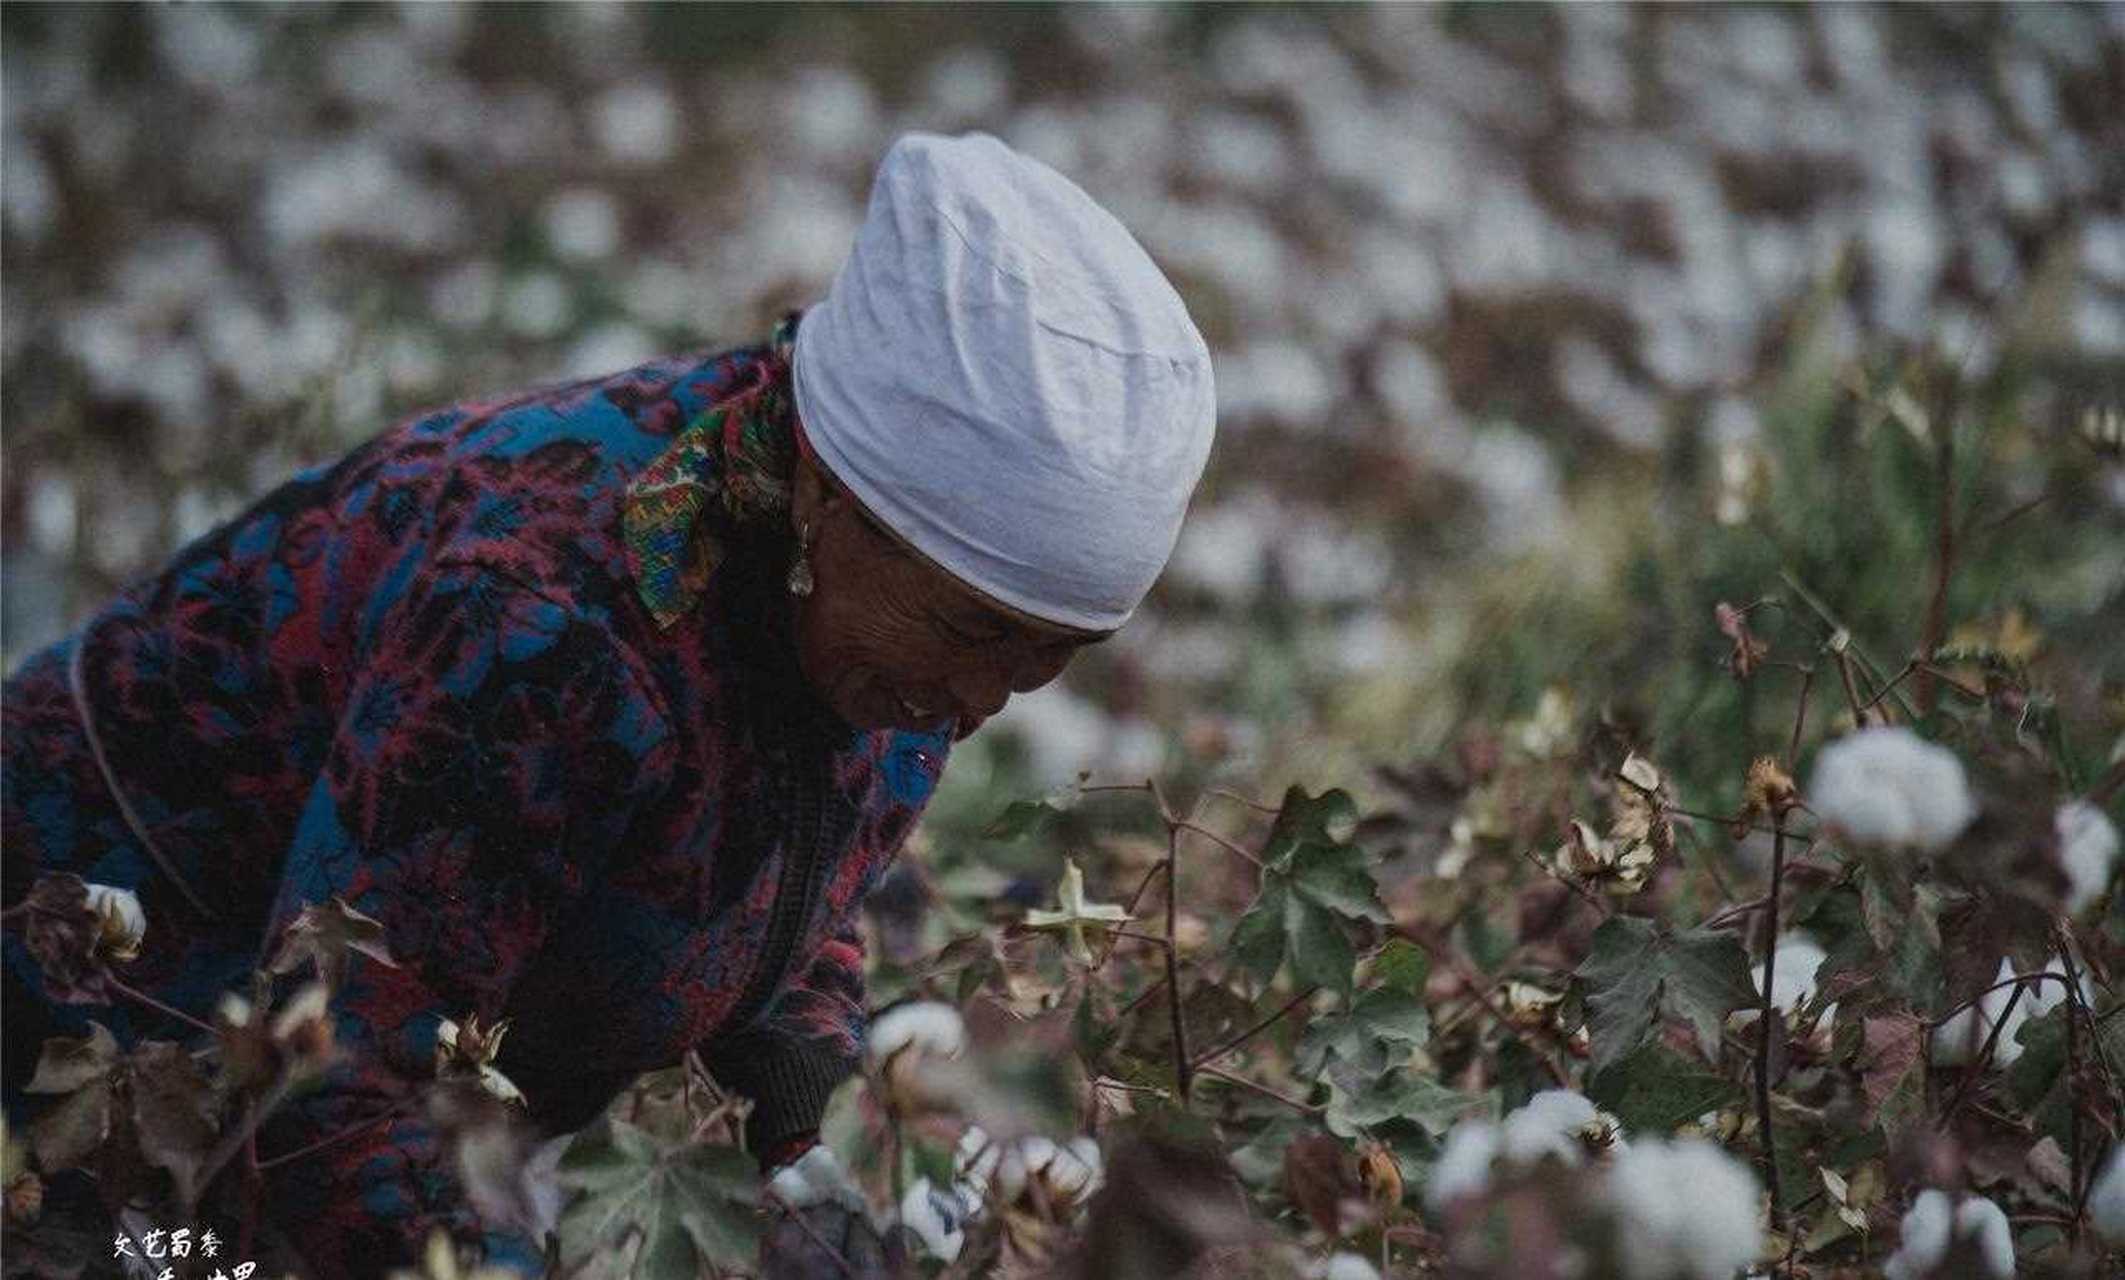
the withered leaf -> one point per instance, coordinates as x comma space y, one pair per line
173, 1113
324, 935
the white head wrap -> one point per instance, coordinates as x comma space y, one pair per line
1002, 375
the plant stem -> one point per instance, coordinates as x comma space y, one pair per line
1215, 838
158, 1006
332, 1139
1768, 1025
2074, 1012
1924, 688
1183, 1069
1984, 1055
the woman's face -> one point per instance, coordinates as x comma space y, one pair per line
891, 641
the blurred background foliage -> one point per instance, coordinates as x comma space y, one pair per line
1538, 329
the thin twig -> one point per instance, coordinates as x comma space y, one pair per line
1225, 794
2075, 1010
1306, 1108
1830, 620
332, 1139
1215, 838
158, 1006
1568, 882
1203, 1060
1767, 1025
1484, 996
1984, 1056
1183, 1070
796, 1215
1894, 681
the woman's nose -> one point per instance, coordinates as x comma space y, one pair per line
980, 691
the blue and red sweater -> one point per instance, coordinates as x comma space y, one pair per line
421, 679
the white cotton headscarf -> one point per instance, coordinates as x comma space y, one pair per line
1003, 376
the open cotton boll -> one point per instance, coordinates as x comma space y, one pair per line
1959, 1040
2106, 1199
1892, 788
1976, 1228
121, 924
1463, 1170
2088, 847
1557, 1122
1793, 971
926, 1026
1342, 1266
1685, 1210
1985, 1224
816, 1177
937, 1218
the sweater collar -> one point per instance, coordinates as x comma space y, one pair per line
731, 465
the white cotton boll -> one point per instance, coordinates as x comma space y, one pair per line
1342, 1266
1985, 1224
2106, 1199
937, 1219
1463, 1170
1793, 971
1550, 1124
1924, 1237
1957, 1042
638, 123
123, 923
1891, 787
926, 1026
816, 1177
2088, 846
537, 305
1686, 1208
583, 224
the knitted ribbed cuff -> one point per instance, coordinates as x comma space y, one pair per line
789, 1082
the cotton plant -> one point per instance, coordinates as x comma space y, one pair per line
1683, 1210
1941, 1239
1890, 788
1555, 1124
2088, 850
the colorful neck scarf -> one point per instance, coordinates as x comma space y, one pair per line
740, 453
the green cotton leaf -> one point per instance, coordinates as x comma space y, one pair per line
691, 1204
1022, 818
1308, 820
1258, 937
1394, 1095
1402, 966
1339, 878
1321, 953
1655, 1089
1380, 1027
1640, 969
719, 1194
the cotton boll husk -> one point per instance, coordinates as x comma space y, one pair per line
2088, 847
1683, 1208
1892, 788
1463, 1169
2106, 1199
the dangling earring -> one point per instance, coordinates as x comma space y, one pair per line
800, 570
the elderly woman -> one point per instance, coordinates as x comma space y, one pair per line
612, 701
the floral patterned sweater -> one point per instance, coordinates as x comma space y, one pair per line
422, 679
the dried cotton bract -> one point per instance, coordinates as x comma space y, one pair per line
1893, 789
1976, 1228
1685, 1210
